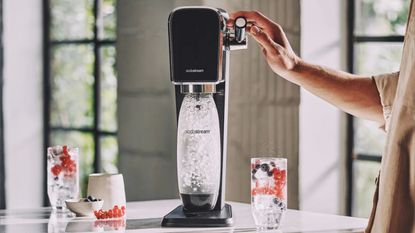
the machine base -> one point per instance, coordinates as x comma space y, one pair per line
179, 218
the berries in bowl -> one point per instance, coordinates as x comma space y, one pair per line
84, 207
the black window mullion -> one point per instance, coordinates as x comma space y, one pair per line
367, 157
46, 91
2, 165
84, 130
86, 41
377, 38
96, 93
350, 124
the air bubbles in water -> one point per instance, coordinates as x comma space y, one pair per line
198, 145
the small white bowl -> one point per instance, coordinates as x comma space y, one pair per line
82, 208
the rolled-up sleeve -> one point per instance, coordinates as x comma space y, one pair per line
386, 85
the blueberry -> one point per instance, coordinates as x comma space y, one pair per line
276, 201
265, 167
282, 206
91, 198
253, 177
254, 171
257, 166
272, 164
270, 173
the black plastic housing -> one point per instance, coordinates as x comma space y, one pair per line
195, 42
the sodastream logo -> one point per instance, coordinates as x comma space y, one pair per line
193, 70
197, 131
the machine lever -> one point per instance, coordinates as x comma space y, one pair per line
240, 25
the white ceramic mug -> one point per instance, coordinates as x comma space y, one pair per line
108, 187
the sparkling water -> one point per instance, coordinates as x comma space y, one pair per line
268, 191
265, 211
63, 175
198, 146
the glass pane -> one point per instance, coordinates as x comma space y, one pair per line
377, 58
368, 138
71, 86
364, 175
71, 19
108, 106
107, 31
381, 17
109, 154
85, 142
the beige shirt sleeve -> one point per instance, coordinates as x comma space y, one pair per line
386, 85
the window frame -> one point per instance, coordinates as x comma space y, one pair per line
2, 160
97, 43
352, 156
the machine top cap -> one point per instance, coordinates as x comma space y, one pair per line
196, 42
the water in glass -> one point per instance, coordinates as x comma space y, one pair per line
268, 191
63, 175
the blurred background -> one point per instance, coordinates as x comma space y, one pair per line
95, 74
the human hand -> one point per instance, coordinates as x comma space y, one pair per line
272, 39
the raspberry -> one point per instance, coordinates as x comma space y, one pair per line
64, 158
71, 167
276, 172
109, 213
279, 194
101, 214
56, 170
283, 174
65, 150
122, 210
116, 213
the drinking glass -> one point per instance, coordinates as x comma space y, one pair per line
63, 175
268, 191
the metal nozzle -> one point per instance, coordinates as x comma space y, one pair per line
197, 88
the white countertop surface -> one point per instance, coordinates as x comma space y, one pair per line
146, 217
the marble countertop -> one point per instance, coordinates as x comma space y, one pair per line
146, 217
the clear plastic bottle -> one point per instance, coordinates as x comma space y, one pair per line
198, 152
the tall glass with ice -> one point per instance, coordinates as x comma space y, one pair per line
268, 191
63, 175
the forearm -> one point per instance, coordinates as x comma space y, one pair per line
354, 94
